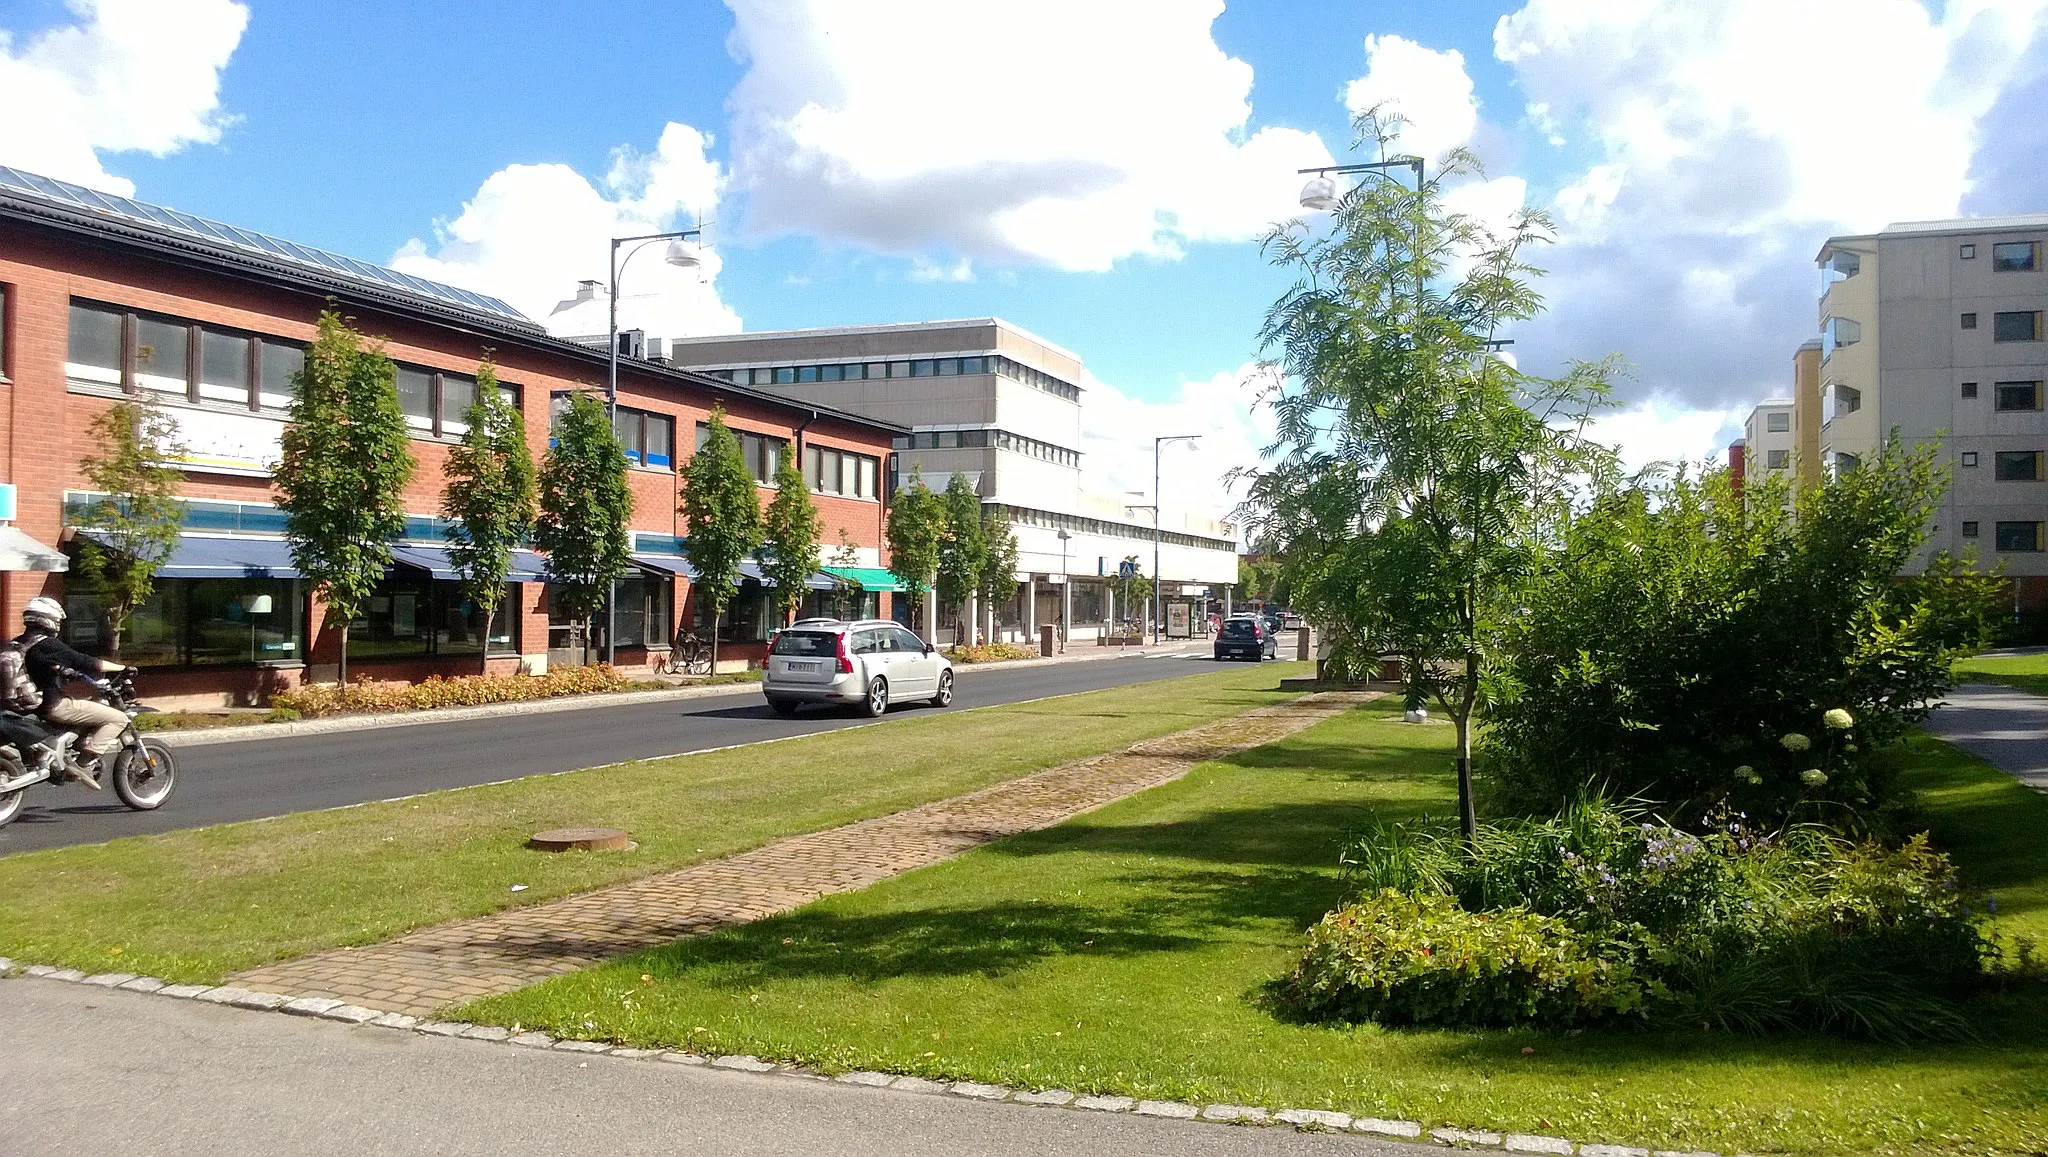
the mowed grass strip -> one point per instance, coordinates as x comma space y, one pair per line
2026, 672
1130, 951
197, 905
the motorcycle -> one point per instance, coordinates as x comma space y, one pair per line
141, 771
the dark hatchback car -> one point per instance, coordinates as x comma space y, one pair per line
1246, 639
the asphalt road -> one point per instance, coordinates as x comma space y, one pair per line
243, 781
96, 1071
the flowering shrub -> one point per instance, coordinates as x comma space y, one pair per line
316, 700
1424, 960
991, 653
1728, 927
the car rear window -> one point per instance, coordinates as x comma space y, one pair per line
1240, 629
806, 643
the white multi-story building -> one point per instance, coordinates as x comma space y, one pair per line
1934, 329
1005, 408
1767, 442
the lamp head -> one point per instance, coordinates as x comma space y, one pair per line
1320, 194
682, 255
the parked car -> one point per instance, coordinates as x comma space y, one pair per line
1246, 638
869, 663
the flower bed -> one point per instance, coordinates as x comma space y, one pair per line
317, 700
991, 653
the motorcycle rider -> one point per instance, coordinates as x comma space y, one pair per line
49, 660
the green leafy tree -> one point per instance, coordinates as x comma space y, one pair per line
1396, 424
137, 515
915, 533
490, 495
998, 582
586, 509
791, 529
1680, 635
723, 514
963, 553
347, 457
846, 592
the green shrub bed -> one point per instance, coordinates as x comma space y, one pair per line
316, 700
1603, 916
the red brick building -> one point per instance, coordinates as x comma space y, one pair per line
103, 297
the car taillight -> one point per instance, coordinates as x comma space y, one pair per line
845, 659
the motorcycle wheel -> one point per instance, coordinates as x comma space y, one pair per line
143, 777
10, 803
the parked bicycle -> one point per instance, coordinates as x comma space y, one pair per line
689, 654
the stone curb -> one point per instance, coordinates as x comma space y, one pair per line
1311, 1120
205, 737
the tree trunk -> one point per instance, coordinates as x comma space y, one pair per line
1468, 819
113, 623
715, 613
341, 670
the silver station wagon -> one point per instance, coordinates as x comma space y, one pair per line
870, 664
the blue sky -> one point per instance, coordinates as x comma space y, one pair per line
834, 145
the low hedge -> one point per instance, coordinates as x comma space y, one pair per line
991, 653
316, 700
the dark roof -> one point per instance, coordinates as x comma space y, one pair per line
196, 241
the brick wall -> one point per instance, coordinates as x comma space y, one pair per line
45, 425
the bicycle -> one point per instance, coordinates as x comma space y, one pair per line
687, 655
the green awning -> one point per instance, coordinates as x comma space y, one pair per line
869, 578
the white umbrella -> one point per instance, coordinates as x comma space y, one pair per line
20, 552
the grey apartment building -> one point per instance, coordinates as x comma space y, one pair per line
1935, 329
991, 401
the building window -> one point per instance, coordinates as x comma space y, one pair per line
1778, 423
93, 353
2015, 256
643, 612
761, 452
649, 439
1969, 530
2016, 465
161, 361
224, 364
436, 404
1969, 389
1966, 251
1969, 459
408, 617
1776, 459
4, 290
199, 623
829, 471
2018, 537
1969, 321
2016, 325
1847, 464
2017, 396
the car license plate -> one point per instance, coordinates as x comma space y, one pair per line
803, 666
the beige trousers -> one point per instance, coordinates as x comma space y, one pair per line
99, 725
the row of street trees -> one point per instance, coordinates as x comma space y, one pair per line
948, 543
347, 459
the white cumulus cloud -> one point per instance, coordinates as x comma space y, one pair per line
1117, 432
126, 76
1069, 133
1711, 148
1430, 90
533, 231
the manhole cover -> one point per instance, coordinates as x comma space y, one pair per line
580, 840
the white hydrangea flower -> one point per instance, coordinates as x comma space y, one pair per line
1838, 719
1813, 777
1796, 742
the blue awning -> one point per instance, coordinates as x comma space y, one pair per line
670, 565
436, 561
201, 556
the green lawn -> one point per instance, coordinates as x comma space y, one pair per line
1131, 950
196, 905
2026, 672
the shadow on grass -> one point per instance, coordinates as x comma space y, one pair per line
1994, 827
989, 940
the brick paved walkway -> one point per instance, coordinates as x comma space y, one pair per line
450, 963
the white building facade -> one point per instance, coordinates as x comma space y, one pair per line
1005, 408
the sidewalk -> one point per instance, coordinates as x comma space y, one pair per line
435, 967
683, 690
2003, 726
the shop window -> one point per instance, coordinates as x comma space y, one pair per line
642, 615
199, 623
411, 617
744, 620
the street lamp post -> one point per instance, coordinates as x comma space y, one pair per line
1159, 628
1065, 595
1321, 194
681, 256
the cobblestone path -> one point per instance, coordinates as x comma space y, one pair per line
449, 963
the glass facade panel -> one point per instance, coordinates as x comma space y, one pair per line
93, 349
416, 397
160, 356
458, 394
223, 367
282, 363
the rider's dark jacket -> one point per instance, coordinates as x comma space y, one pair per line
47, 660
